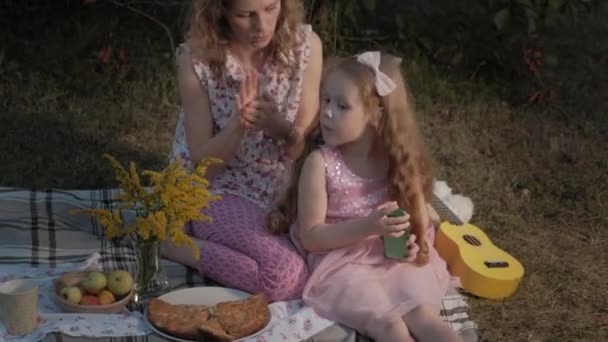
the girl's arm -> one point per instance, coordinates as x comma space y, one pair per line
198, 121
317, 236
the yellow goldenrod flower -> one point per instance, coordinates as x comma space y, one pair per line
175, 197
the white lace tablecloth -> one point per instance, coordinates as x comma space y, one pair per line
291, 321
52, 319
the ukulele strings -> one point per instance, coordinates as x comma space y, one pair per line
443, 208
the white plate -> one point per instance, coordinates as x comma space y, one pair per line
205, 295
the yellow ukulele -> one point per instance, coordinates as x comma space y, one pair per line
484, 269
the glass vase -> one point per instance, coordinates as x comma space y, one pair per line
150, 280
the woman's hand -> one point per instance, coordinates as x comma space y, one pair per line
296, 143
267, 117
262, 114
381, 224
245, 113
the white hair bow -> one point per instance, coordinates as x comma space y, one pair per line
384, 84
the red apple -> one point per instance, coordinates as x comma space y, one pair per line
89, 300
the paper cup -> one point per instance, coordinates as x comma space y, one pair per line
19, 306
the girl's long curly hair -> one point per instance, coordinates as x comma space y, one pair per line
409, 172
208, 34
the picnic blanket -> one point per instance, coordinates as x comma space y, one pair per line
37, 231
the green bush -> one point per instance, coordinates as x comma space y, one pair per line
534, 49
532, 44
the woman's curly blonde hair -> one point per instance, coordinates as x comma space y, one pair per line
208, 34
410, 170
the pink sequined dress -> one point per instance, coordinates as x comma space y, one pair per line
356, 285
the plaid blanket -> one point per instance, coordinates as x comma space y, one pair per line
37, 229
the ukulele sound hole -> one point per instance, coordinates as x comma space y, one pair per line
471, 240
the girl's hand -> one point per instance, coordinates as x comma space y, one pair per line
381, 224
413, 248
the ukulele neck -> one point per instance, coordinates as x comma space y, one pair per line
445, 212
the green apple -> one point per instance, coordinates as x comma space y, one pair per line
94, 282
71, 293
120, 283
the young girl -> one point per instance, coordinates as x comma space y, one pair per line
371, 163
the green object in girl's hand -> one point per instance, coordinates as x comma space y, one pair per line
397, 213
396, 247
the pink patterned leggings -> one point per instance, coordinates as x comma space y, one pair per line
237, 251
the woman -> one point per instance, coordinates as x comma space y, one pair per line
249, 76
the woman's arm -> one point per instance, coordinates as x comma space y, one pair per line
198, 121
315, 235
309, 100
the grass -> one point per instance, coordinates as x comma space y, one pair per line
540, 185
537, 174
